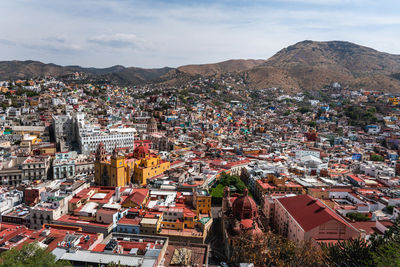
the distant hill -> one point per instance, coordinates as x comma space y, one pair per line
29, 69
232, 65
307, 65
312, 65
136, 75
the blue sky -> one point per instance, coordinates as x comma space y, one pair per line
151, 33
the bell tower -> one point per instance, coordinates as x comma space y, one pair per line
101, 157
117, 169
101, 153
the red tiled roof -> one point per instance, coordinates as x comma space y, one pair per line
188, 213
309, 212
78, 222
129, 221
355, 178
386, 223
106, 211
138, 196
99, 248
368, 227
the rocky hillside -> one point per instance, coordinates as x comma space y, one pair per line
233, 65
312, 65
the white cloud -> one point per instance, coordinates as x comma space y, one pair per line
154, 33
118, 40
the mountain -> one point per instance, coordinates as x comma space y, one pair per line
307, 65
29, 68
120, 74
21, 69
313, 65
232, 65
136, 75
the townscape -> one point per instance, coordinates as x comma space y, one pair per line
162, 175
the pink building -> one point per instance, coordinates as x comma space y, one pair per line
268, 206
304, 218
145, 143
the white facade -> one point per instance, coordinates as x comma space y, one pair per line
303, 153
375, 169
47, 212
36, 168
90, 136
9, 199
88, 143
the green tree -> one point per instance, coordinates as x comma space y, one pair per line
387, 255
304, 109
358, 217
391, 235
270, 249
376, 157
359, 116
312, 124
227, 180
389, 209
380, 250
30, 255
17, 143
353, 252
218, 191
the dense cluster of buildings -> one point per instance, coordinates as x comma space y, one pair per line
101, 173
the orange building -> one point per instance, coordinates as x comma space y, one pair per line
147, 165
121, 170
273, 184
116, 172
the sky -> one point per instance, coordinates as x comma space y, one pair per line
155, 33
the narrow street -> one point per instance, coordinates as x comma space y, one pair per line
215, 239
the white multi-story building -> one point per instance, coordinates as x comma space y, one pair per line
9, 199
36, 168
70, 164
377, 169
303, 153
116, 138
49, 211
64, 165
57, 102
90, 136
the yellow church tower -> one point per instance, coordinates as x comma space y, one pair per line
147, 165
114, 173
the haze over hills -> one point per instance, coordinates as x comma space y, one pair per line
306, 65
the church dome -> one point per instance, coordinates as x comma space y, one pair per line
244, 207
141, 151
152, 126
153, 121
